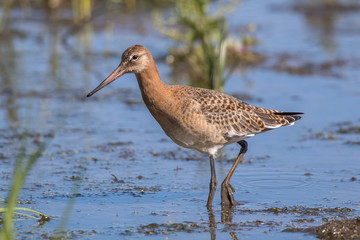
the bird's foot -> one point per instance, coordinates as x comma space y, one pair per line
227, 195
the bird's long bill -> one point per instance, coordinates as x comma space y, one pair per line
118, 72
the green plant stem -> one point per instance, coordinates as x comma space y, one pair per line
20, 174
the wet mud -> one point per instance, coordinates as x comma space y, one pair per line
345, 131
300, 65
335, 229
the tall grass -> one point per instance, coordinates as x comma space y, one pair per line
23, 166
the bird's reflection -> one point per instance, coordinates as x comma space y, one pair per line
226, 218
212, 223
227, 214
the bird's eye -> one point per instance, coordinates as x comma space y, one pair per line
134, 57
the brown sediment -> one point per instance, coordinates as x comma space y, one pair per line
347, 229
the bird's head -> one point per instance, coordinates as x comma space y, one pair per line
135, 59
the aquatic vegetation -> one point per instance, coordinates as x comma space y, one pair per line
40, 217
202, 43
23, 166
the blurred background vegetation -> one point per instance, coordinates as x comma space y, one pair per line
202, 48
203, 51
199, 30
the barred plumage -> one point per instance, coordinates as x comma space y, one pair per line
201, 119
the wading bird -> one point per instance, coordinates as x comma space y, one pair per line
197, 118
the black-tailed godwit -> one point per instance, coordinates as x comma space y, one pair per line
197, 118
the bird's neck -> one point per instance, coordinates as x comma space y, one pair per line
154, 91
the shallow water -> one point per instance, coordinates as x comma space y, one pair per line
130, 180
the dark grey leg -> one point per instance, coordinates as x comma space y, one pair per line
213, 183
227, 191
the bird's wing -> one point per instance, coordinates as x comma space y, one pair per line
234, 117
231, 116
238, 118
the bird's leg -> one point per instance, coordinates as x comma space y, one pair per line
227, 191
213, 183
